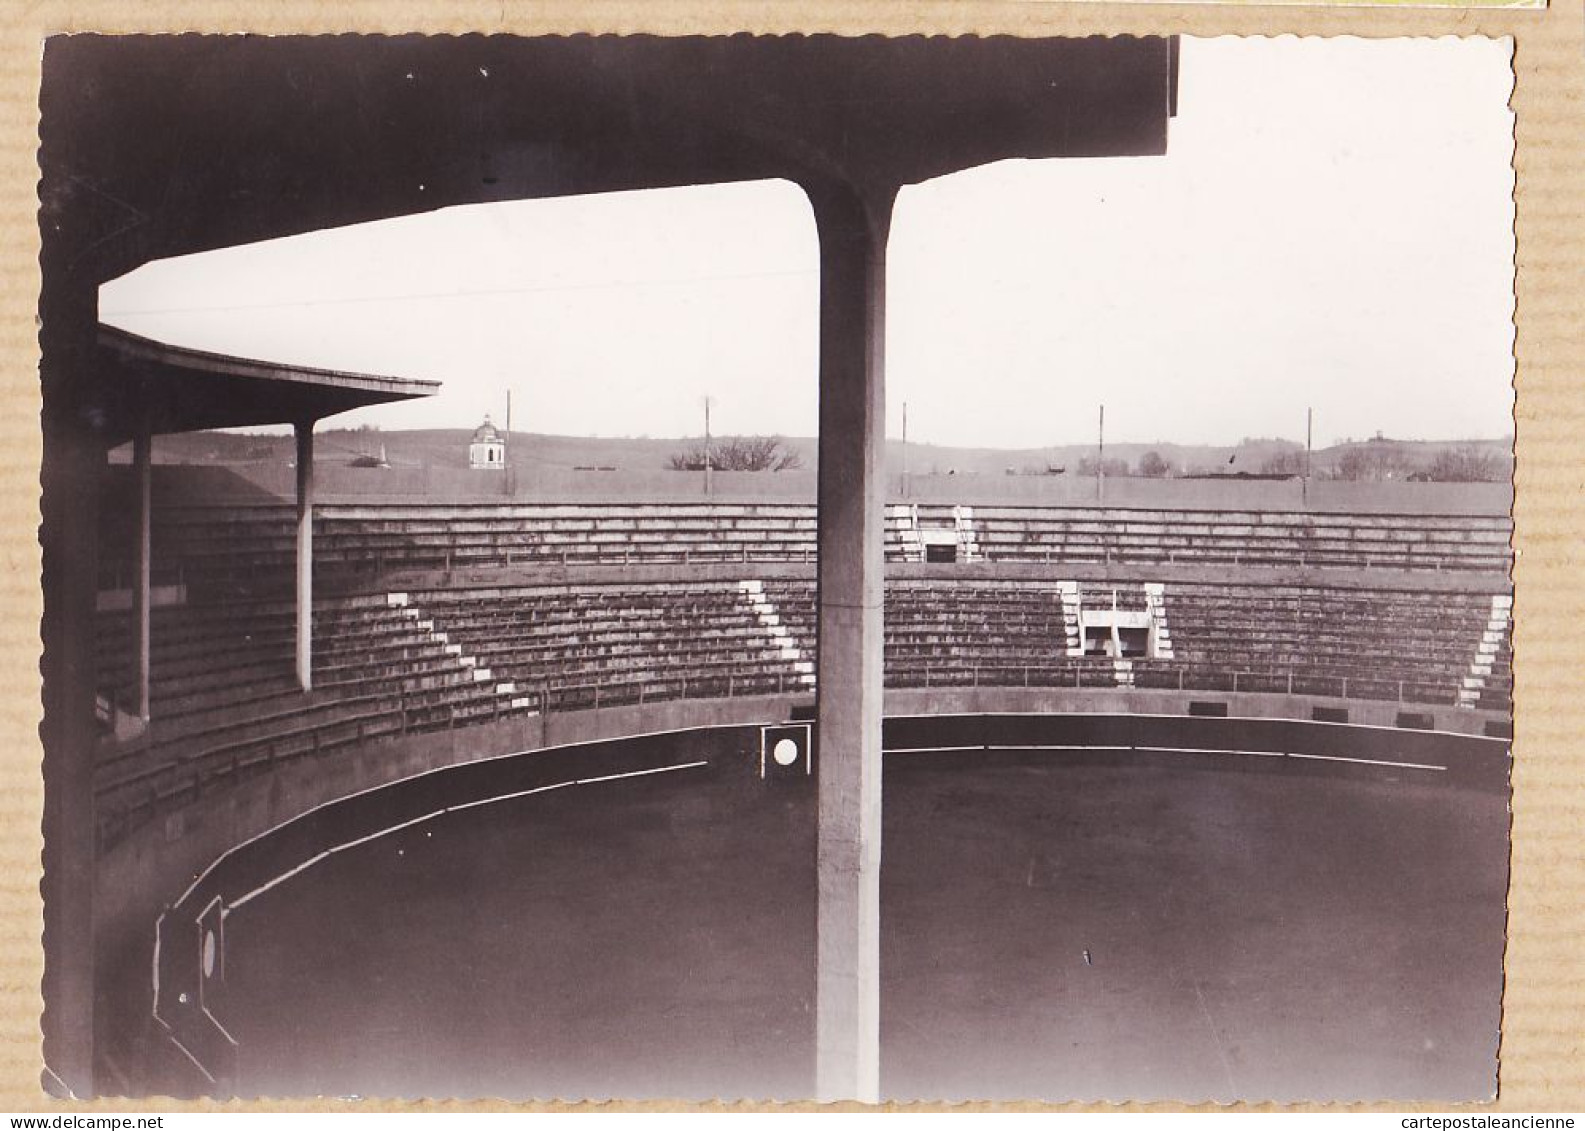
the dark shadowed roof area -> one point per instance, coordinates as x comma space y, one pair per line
161, 146
184, 389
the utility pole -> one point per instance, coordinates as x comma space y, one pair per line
506, 448
1309, 431
905, 449
707, 445
1100, 459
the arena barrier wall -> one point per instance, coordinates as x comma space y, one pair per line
146, 870
1376, 578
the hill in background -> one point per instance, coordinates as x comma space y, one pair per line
1373, 459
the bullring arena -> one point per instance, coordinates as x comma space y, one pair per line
1189, 790
532, 799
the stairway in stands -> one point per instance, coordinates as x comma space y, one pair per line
1126, 597
905, 517
1156, 602
425, 623
968, 545
1069, 591
782, 638
1491, 664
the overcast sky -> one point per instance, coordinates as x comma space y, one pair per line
1331, 227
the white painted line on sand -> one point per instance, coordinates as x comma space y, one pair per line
1371, 762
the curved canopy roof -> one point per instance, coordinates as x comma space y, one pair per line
182, 390
154, 146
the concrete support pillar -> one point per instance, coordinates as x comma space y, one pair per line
305, 554
142, 466
852, 229
74, 457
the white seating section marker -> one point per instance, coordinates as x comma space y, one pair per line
1068, 593
968, 546
1156, 602
907, 516
465, 662
1491, 639
769, 617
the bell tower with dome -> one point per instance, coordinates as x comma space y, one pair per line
487, 450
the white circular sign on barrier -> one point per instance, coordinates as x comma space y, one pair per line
785, 752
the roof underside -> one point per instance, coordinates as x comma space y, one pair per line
189, 143
182, 390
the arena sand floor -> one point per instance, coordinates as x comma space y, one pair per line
1054, 925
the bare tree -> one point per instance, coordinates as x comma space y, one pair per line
738, 453
1375, 460
1464, 464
